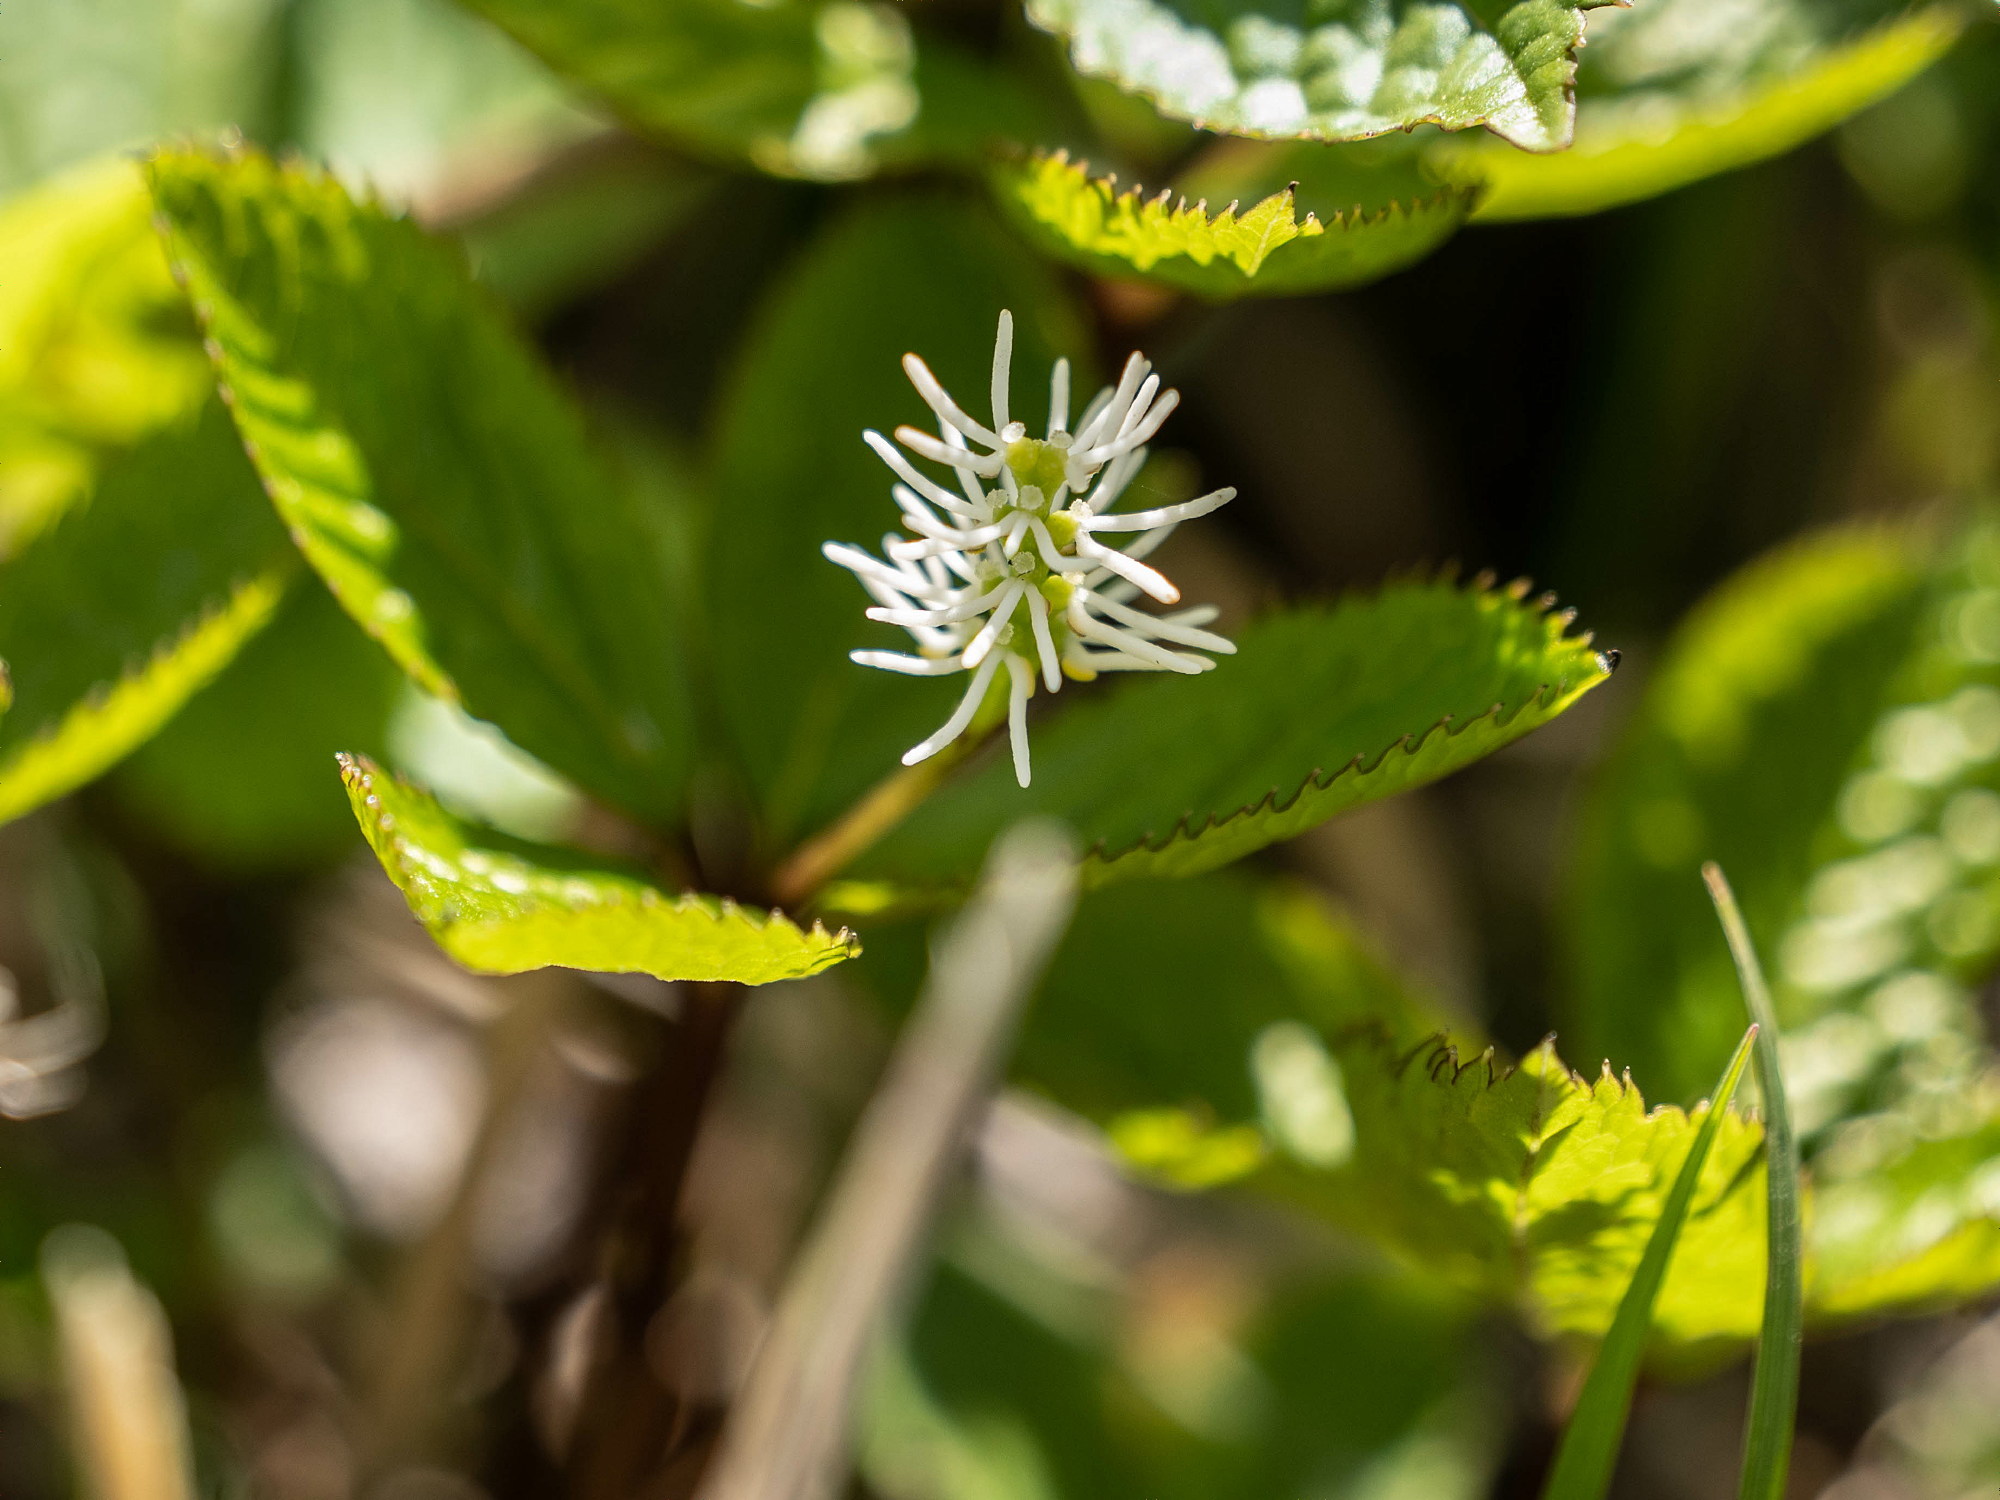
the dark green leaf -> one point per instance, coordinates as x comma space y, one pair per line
1276, 68
1321, 710
501, 906
432, 473
823, 363
1263, 249
1175, 1017
130, 604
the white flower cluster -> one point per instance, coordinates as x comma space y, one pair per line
1021, 538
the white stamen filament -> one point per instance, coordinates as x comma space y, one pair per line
1003, 359
1045, 641
923, 484
947, 409
1148, 579
909, 666
1164, 515
960, 716
924, 445
1021, 682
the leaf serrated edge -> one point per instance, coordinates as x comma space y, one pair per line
1439, 1051
1135, 202
1319, 780
30, 773
359, 773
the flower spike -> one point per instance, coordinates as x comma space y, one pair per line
1016, 573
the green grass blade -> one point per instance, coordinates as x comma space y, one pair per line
1590, 1443
1774, 1387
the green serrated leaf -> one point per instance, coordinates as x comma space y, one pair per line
1265, 249
801, 88
130, 604
1590, 1442
1322, 709
1272, 69
432, 473
1658, 111
502, 906
823, 362
1540, 1188
1247, 1014
1229, 1031
96, 349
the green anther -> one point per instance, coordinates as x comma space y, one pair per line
1057, 590
1062, 530
1036, 462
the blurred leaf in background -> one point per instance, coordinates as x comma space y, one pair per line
83, 77
96, 347
241, 778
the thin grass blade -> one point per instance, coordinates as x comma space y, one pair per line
1774, 1385
1590, 1443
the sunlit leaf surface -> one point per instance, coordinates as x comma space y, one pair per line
1826, 726
501, 906
1275, 68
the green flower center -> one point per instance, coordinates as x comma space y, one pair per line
1037, 463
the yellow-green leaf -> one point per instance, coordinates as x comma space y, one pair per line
96, 348
502, 906
1264, 249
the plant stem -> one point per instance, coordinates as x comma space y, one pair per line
630, 1428
887, 803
